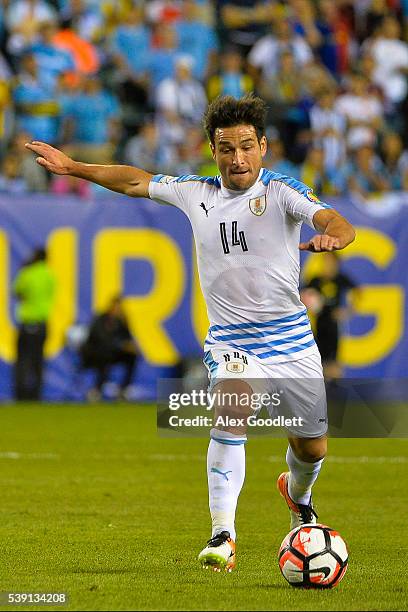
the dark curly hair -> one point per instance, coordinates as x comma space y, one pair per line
227, 111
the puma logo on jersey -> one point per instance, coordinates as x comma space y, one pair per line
205, 209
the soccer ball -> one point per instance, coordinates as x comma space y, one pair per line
313, 557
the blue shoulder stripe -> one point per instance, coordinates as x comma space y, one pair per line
210, 180
163, 178
269, 175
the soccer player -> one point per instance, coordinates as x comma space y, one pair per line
246, 224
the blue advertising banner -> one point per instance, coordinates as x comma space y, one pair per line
145, 251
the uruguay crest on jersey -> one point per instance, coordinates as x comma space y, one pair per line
257, 206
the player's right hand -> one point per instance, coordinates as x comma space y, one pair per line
50, 158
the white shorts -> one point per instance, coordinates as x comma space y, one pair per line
297, 385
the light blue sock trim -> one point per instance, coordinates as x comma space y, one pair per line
229, 441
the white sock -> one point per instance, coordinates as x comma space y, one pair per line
226, 475
302, 475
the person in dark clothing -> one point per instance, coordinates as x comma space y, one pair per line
332, 287
109, 342
34, 288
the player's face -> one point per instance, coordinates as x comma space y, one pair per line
238, 154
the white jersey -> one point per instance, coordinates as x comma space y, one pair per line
247, 245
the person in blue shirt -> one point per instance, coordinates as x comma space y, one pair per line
395, 161
131, 42
92, 118
198, 39
231, 80
162, 60
51, 60
36, 106
278, 162
367, 173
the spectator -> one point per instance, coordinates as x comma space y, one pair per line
328, 129
84, 18
324, 181
113, 12
179, 103
197, 39
37, 108
110, 342
188, 155
332, 287
376, 11
11, 179
315, 77
181, 99
163, 11
163, 58
146, 149
92, 117
130, 43
66, 185
265, 56
33, 175
278, 161
21, 12
395, 160
367, 173
362, 110
130, 46
391, 56
337, 46
243, 22
34, 288
304, 22
231, 80
23, 19
6, 106
84, 55
366, 65
287, 102
51, 61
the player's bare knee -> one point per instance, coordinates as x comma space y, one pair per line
309, 450
232, 408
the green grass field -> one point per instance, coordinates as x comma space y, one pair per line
95, 504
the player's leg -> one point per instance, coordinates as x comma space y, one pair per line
128, 360
226, 470
327, 339
304, 458
226, 456
37, 354
305, 400
22, 365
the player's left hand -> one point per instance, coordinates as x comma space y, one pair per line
321, 242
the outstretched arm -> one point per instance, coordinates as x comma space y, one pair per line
123, 179
336, 232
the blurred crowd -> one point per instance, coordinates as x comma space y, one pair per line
127, 81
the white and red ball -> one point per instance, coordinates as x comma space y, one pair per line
313, 556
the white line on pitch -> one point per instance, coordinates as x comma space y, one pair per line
280, 458
17, 455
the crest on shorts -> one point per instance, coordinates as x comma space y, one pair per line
235, 366
257, 206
